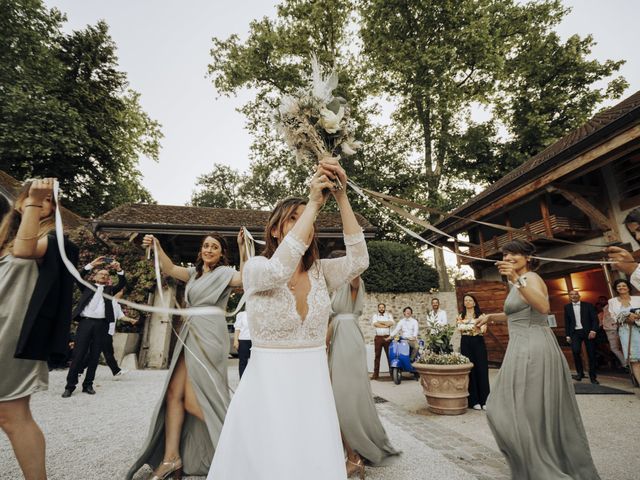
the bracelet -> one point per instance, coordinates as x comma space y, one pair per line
35, 237
32, 205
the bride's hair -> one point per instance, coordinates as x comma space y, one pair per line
284, 209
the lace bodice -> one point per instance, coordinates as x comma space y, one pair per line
271, 308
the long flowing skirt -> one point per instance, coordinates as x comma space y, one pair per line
282, 421
623, 331
207, 341
533, 413
359, 421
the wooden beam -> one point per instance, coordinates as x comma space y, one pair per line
604, 223
482, 252
544, 210
577, 163
587, 191
508, 224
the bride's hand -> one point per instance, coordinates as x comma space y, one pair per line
334, 170
319, 188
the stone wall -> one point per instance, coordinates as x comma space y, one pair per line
395, 302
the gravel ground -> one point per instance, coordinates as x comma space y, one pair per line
96, 437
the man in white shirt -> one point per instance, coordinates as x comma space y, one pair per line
242, 340
94, 316
408, 328
382, 322
437, 316
581, 324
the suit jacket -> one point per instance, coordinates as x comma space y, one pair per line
588, 318
87, 294
45, 330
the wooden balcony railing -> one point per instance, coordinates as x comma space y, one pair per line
552, 226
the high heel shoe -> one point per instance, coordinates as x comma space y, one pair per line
168, 470
357, 468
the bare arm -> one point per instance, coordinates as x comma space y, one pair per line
27, 244
166, 265
535, 292
236, 341
236, 280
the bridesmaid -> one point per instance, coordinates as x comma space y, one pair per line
35, 313
473, 347
187, 421
363, 435
532, 410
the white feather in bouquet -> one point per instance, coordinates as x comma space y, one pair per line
314, 123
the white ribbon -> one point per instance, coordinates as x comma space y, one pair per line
359, 191
138, 306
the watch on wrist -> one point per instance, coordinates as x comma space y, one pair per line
520, 282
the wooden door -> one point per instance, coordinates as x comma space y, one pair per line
490, 296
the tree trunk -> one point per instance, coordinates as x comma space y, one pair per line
444, 284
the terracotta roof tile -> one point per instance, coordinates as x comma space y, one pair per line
143, 214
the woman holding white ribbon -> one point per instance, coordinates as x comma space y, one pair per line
187, 421
35, 313
283, 413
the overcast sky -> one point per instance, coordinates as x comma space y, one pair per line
163, 46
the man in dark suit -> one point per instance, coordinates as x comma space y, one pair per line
94, 315
581, 325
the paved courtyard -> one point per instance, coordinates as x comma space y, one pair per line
96, 437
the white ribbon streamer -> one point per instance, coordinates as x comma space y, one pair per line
359, 191
137, 306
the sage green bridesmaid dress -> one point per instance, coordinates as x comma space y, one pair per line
532, 409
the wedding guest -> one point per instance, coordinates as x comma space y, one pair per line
620, 308
107, 341
282, 422
35, 308
437, 316
409, 329
581, 324
473, 347
186, 423
94, 315
242, 341
363, 435
625, 261
532, 409
610, 327
382, 321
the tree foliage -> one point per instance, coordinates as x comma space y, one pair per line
436, 62
67, 111
397, 268
221, 188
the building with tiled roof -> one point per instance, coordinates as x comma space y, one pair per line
577, 191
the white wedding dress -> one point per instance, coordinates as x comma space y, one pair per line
282, 422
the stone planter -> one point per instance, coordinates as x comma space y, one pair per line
446, 387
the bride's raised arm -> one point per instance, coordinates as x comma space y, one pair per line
338, 271
261, 273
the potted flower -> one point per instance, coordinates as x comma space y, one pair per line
444, 375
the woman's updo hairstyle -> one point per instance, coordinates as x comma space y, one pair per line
522, 247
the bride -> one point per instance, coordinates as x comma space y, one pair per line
282, 421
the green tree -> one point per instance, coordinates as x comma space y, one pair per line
397, 268
439, 58
435, 60
275, 59
221, 188
67, 111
